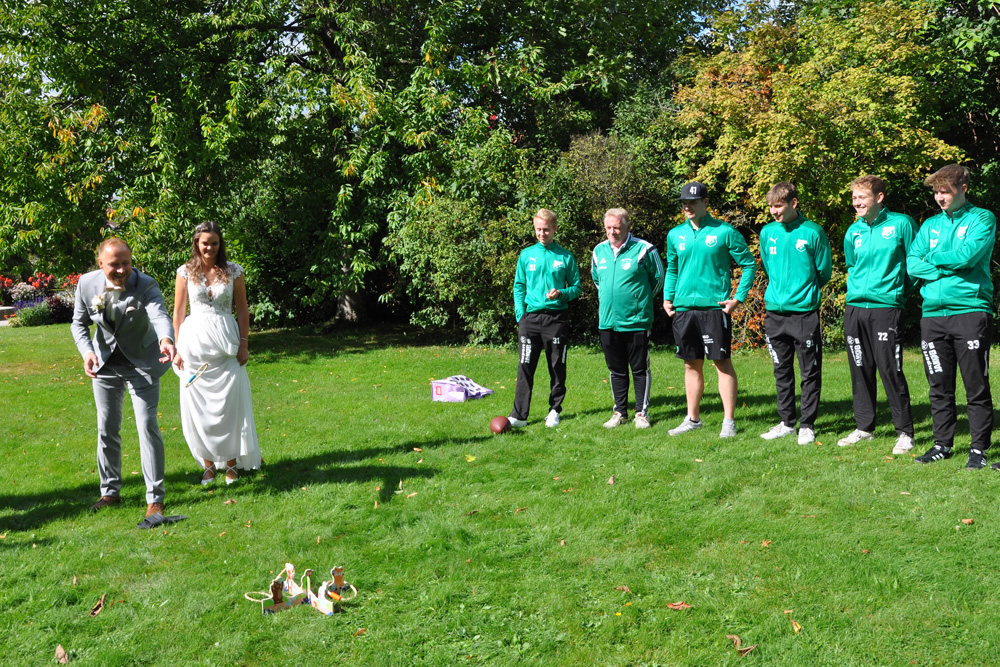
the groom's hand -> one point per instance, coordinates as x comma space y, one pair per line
89, 362
167, 350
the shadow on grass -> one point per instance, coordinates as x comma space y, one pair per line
306, 344
34, 510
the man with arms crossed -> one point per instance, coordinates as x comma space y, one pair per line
875, 248
952, 254
132, 347
628, 273
697, 295
795, 253
546, 280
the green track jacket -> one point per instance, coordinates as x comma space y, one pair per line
699, 265
951, 254
542, 268
627, 283
798, 263
876, 261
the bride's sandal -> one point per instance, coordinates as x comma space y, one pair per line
209, 475
231, 469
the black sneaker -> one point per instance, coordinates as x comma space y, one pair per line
935, 453
977, 460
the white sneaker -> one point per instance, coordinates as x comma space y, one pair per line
903, 444
806, 436
552, 419
687, 425
617, 419
778, 431
728, 429
641, 420
517, 423
856, 436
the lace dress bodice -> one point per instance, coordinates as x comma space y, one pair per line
214, 299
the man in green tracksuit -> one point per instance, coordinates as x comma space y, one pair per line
546, 280
697, 295
952, 254
795, 253
628, 273
875, 248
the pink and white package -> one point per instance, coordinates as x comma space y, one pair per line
457, 389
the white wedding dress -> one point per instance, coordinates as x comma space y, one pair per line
217, 407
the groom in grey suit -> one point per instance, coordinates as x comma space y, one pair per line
132, 347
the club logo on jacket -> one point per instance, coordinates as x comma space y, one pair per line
801, 244
557, 264
888, 232
711, 241
961, 231
627, 263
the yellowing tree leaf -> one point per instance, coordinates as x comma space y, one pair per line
470, 458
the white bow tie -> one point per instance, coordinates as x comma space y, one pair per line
111, 288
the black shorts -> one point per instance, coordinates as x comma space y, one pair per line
702, 333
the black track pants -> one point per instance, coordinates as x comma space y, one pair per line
950, 343
624, 350
873, 343
535, 332
788, 335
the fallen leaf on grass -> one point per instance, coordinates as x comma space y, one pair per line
3, 537
788, 611
412, 494
247, 525
611, 480
677, 606
738, 645
968, 522
904, 493
99, 606
865, 551
74, 580
698, 461
417, 449
888, 458
765, 543
808, 516
222, 533
376, 504
400, 485
317, 538
570, 490
231, 501
795, 626
624, 588
562, 543
520, 509
470, 458
471, 513
420, 461
556, 479
304, 488
360, 632
61, 656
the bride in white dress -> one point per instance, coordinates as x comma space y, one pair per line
216, 404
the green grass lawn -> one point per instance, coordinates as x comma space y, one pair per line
521, 555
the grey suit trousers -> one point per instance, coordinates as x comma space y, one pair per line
109, 395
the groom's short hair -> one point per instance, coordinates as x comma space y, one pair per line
112, 241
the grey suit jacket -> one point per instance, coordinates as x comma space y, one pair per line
141, 321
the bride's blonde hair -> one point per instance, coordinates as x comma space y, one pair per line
194, 264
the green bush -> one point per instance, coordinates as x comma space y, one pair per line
33, 316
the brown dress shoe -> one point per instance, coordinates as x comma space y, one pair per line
154, 508
105, 501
